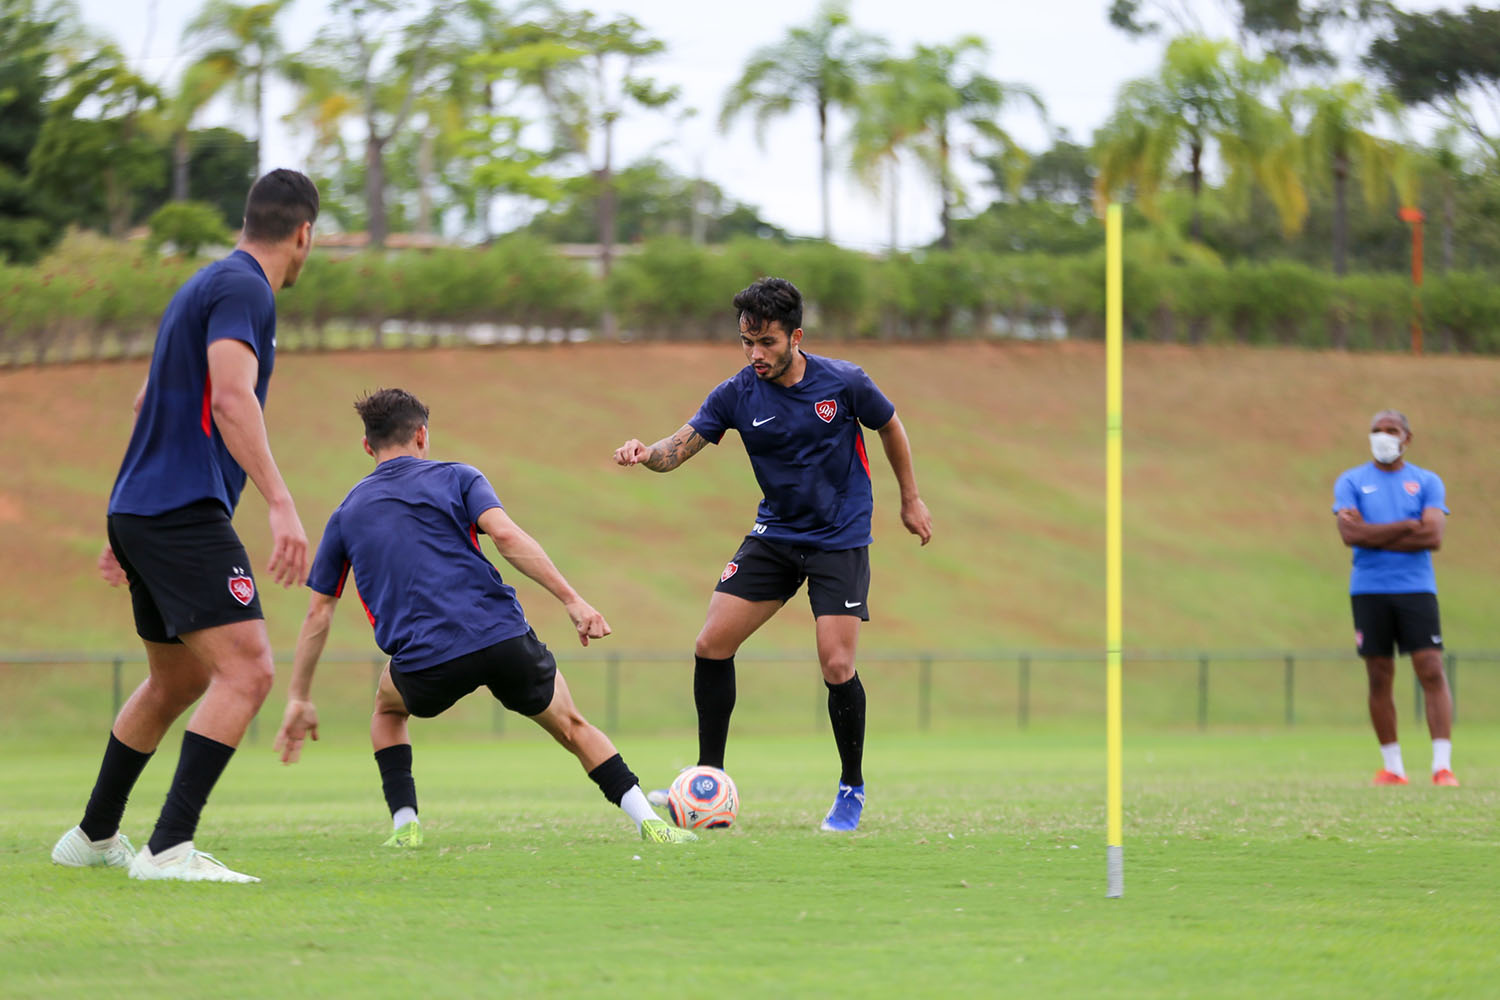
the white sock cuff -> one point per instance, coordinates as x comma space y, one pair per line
636, 807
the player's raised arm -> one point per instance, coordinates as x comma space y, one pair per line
666, 454
526, 554
898, 452
232, 368
300, 719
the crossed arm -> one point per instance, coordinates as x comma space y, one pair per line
1394, 536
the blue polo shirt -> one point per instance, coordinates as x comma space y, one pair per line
410, 532
176, 455
1382, 497
806, 447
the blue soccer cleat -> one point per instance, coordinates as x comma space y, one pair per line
847, 805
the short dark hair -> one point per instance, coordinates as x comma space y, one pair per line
391, 416
770, 300
278, 203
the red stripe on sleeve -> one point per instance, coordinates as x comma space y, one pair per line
864, 459
208, 413
343, 579
474, 536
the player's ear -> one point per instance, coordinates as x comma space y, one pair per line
368, 450
796, 337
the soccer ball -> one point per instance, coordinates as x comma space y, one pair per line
703, 798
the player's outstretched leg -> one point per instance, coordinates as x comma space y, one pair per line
392, 743
837, 636
176, 679
240, 655
606, 768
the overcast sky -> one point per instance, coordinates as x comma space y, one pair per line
1065, 49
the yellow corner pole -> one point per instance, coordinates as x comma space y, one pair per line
1114, 357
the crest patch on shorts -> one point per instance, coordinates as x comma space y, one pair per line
729, 570
242, 588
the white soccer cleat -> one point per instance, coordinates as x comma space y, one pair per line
75, 850
184, 863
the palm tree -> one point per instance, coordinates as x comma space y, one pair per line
1337, 146
821, 64
1204, 99
201, 82
886, 121
950, 96
243, 41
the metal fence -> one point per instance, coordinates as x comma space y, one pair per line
627, 690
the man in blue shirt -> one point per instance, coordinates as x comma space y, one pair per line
799, 416
1392, 514
199, 432
410, 533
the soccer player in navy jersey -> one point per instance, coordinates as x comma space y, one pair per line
410, 533
799, 416
1392, 514
199, 430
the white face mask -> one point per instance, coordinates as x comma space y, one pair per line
1385, 447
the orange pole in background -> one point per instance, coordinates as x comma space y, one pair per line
1415, 217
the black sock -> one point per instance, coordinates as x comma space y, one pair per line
198, 770
614, 779
846, 710
713, 693
395, 776
117, 776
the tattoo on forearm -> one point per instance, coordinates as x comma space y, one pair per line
668, 453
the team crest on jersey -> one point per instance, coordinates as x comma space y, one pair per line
1412, 487
729, 570
826, 409
241, 587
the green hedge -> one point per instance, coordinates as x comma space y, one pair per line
95, 298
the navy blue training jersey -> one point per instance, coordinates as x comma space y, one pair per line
410, 532
176, 456
806, 448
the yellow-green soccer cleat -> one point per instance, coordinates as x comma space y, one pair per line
407, 835
659, 831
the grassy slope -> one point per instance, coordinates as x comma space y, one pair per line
1231, 455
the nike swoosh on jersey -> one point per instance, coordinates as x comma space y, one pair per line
1368, 489
757, 423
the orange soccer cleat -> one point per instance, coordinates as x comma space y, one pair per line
1444, 777
1384, 777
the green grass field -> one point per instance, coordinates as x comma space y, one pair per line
1258, 861
1257, 864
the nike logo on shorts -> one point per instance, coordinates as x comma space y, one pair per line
757, 423
853, 604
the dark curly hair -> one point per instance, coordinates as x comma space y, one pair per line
391, 416
770, 300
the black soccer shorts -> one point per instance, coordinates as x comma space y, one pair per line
1409, 621
520, 672
838, 581
187, 570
